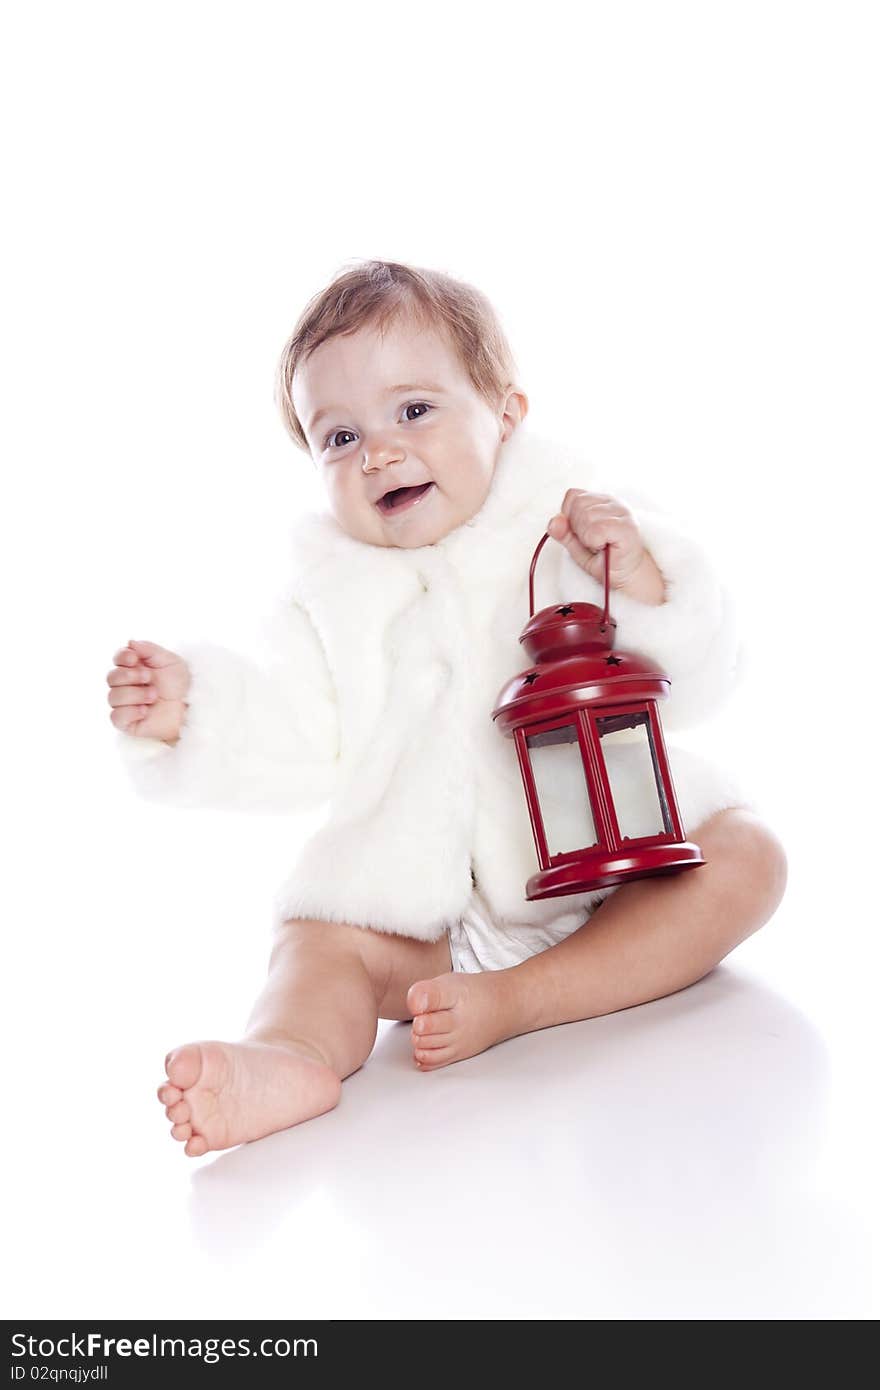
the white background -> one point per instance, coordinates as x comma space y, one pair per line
674, 210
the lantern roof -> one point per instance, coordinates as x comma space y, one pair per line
558, 687
568, 629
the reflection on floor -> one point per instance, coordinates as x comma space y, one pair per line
654, 1163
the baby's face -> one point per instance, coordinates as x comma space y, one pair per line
399, 412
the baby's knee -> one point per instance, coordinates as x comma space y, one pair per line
749, 854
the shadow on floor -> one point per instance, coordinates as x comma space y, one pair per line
654, 1158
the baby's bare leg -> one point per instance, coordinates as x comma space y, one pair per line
649, 938
314, 1024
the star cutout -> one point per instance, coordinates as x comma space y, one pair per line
613, 661
531, 678
566, 610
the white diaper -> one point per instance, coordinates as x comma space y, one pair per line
476, 942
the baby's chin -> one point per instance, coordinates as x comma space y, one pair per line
417, 537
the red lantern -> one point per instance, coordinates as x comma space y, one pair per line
580, 692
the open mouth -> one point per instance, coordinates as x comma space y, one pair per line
400, 499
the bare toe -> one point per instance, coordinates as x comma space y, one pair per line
196, 1146
430, 1025
168, 1094
181, 1132
425, 996
434, 1058
178, 1113
184, 1066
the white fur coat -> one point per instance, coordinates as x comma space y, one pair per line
385, 665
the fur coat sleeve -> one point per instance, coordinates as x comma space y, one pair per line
256, 736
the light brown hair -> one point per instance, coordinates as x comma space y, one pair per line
379, 292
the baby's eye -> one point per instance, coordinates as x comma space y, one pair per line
330, 441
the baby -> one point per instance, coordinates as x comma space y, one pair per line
400, 385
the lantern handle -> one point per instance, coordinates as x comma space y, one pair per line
541, 543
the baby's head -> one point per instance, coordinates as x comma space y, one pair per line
400, 378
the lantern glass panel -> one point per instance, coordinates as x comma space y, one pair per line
627, 742
563, 796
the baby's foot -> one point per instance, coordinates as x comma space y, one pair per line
458, 1015
220, 1094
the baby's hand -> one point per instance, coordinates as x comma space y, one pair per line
587, 522
148, 685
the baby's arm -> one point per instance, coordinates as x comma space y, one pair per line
249, 737
673, 607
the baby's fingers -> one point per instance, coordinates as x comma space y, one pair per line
126, 656
119, 695
126, 675
152, 654
560, 528
127, 715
